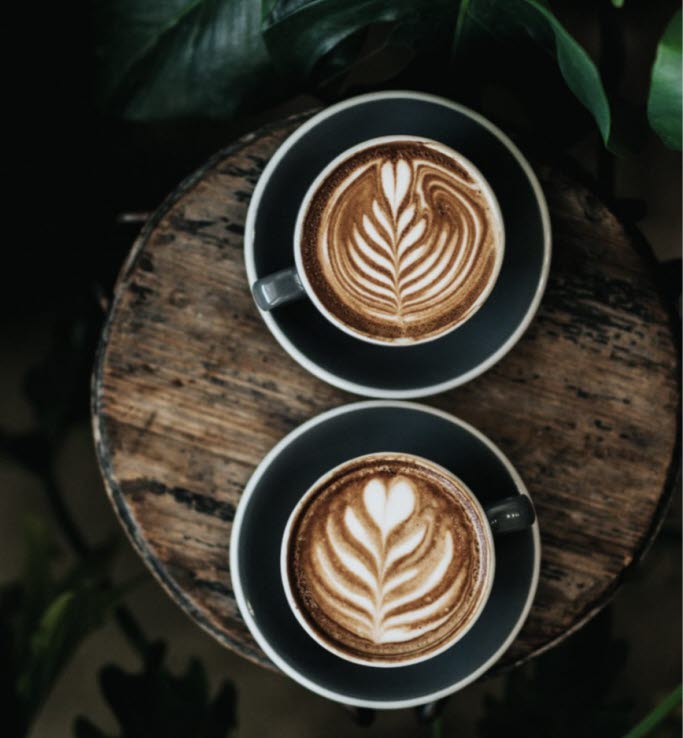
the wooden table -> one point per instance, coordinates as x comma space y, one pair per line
190, 391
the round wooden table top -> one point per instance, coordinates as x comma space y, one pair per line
191, 390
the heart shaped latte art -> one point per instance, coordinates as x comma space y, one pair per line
393, 592
387, 560
405, 244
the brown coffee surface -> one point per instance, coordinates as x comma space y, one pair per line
399, 241
388, 559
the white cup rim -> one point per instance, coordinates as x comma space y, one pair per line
245, 607
483, 596
364, 388
491, 200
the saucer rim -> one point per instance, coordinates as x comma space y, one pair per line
247, 613
424, 390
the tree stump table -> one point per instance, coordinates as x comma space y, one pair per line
191, 390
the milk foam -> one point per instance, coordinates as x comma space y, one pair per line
388, 506
401, 241
390, 561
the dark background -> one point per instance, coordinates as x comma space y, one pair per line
82, 185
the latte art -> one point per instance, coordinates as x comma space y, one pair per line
384, 608
399, 241
386, 561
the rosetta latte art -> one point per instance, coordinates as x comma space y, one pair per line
392, 568
389, 602
404, 242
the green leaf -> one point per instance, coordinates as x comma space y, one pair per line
38, 586
156, 702
44, 618
664, 108
160, 59
300, 33
22, 604
460, 24
69, 618
517, 19
653, 719
618, 3
46, 649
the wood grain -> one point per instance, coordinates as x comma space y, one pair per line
190, 391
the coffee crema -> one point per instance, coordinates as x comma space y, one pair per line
399, 241
388, 559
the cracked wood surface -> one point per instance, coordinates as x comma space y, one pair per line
190, 391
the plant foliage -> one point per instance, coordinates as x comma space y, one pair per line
162, 59
44, 617
171, 59
664, 108
154, 702
519, 19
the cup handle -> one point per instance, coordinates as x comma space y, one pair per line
278, 289
511, 514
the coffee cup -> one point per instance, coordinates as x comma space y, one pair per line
287, 473
388, 559
398, 241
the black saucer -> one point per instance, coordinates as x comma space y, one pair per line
285, 474
415, 371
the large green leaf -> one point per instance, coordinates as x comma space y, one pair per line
508, 19
664, 107
175, 58
162, 59
301, 33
